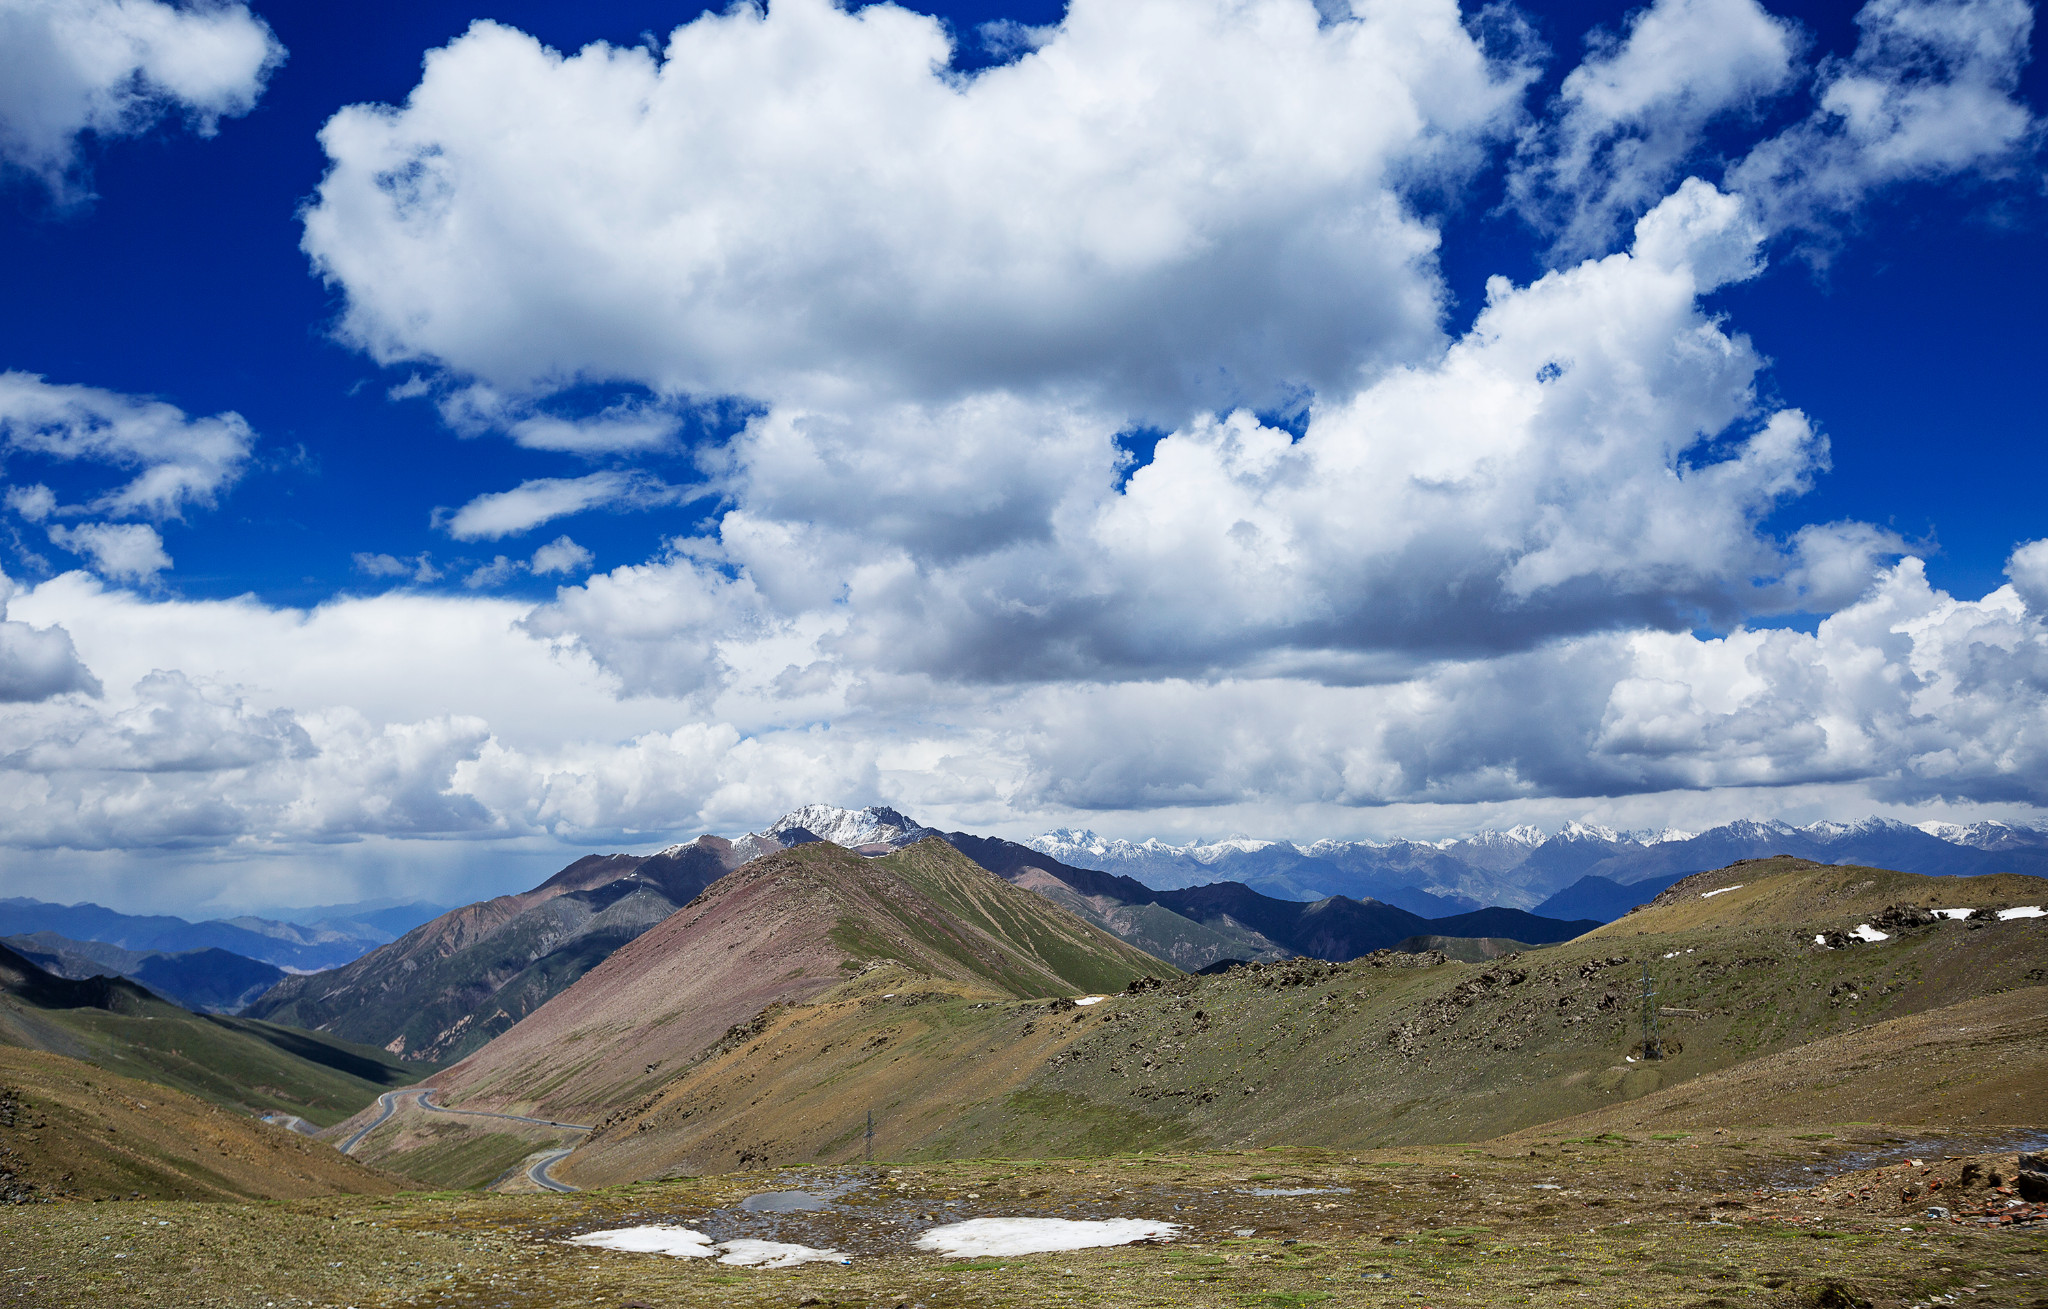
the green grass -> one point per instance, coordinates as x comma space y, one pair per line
459, 1161
247, 1065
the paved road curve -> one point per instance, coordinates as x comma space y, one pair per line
538, 1174
388, 1104
422, 1097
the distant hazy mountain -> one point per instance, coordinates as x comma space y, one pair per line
1524, 868
208, 981
387, 919
1195, 926
286, 945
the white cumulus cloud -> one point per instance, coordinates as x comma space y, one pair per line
122, 552
113, 67
1167, 202
562, 555
37, 663
1931, 91
179, 462
1631, 115
531, 503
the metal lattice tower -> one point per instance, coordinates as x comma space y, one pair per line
1653, 1048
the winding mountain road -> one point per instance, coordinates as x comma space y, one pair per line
538, 1174
388, 1104
422, 1097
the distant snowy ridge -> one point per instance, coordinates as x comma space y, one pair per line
852, 828
1524, 866
1062, 842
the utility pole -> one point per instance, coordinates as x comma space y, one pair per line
1652, 1047
871, 1136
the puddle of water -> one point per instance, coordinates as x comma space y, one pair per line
786, 1202
1932, 1149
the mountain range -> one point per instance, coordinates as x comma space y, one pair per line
339, 934
839, 1001
447, 988
207, 981
1524, 868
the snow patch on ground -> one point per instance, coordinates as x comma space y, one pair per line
1090, 999
775, 1254
682, 1242
1708, 895
689, 1243
2021, 911
1009, 1236
1950, 913
1865, 932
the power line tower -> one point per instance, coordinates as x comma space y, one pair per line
1653, 1048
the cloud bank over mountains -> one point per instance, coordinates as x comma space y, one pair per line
1373, 572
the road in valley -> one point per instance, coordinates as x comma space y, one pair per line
538, 1174
422, 1098
388, 1104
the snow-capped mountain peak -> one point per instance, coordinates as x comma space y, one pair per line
1578, 831
874, 825
1526, 835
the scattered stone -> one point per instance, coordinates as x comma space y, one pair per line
1898, 917
2032, 1182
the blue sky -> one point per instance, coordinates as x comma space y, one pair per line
871, 541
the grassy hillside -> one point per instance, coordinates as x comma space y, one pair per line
783, 929
244, 1064
1785, 892
1390, 1049
1983, 1061
76, 1132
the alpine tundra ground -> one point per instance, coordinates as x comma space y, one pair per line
1828, 1218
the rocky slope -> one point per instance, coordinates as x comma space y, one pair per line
446, 988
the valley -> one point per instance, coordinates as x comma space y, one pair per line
835, 1051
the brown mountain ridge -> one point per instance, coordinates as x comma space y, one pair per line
782, 930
